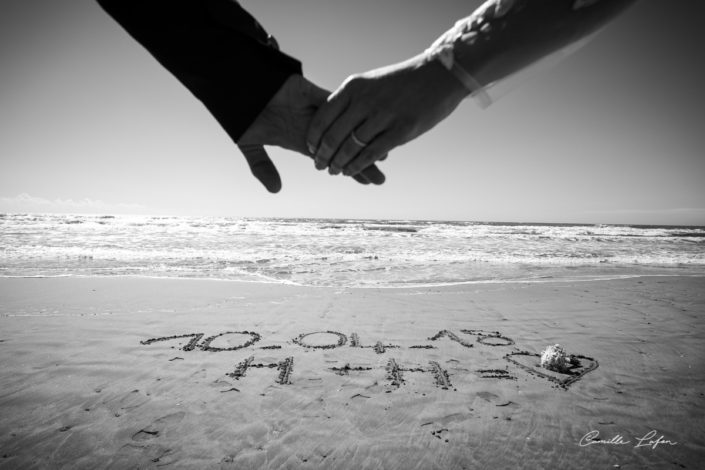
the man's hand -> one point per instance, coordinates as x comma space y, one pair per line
284, 122
373, 112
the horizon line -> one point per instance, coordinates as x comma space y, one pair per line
476, 222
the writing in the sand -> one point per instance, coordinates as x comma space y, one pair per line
396, 370
649, 440
332, 339
318, 340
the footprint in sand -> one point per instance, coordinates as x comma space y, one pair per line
146, 448
123, 403
488, 396
158, 426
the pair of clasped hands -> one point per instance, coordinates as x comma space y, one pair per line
347, 131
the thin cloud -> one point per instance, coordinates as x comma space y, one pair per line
28, 203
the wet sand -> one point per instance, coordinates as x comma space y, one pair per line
149, 373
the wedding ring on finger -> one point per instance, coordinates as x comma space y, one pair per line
357, 140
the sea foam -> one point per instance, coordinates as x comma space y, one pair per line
341, 252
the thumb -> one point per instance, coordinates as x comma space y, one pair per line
261, 166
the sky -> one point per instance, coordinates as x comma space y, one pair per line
615, 133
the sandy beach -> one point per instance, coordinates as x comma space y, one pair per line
149, 373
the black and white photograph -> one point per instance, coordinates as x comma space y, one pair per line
352, 234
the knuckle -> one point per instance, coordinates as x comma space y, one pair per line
406, 125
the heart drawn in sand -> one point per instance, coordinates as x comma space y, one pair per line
530, 363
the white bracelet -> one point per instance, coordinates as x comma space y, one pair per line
444, 55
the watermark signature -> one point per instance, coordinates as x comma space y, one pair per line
649, 440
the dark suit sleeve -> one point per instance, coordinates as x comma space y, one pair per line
215, 48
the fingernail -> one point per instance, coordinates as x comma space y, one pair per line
320, 165
334, 170
347, 172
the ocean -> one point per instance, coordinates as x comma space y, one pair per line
341, 252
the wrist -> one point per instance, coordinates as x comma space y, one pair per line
444, 56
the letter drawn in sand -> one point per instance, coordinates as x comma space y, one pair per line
190, 346
441, 375
285, 367
346, 369
379, 347
241, 368
495, 374
490, 338
342, 339
394, 373
451, 336
254, 337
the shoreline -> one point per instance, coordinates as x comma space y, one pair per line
539, 280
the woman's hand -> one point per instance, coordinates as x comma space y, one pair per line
373, 112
